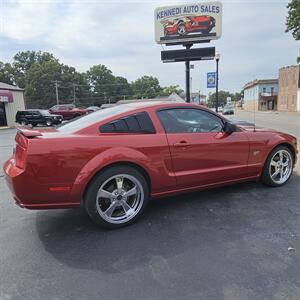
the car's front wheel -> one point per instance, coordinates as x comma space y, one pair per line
49, 123
278, 167
117, 196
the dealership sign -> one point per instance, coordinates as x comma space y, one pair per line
188, 23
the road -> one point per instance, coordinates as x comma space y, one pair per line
227, 243
286, 122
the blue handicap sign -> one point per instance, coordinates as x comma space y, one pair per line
211, 80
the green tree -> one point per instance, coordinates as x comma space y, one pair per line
146, 87
222, 98
293, 20
168, 90
122, 88
6, 73
23, 61
101, 81
37, 72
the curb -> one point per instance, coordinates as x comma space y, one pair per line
5, 127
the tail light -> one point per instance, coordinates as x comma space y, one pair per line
20, 157
21, 151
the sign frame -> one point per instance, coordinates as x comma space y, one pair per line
188, 23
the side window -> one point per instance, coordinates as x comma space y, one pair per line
189, 120
137, 123
28, 114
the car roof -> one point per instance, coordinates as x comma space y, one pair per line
156, 104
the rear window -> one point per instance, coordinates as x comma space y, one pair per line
88, 120
137, 123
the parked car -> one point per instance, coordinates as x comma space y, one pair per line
91, 109
113, 161
37, 116
228, 109
68, 111
186, 25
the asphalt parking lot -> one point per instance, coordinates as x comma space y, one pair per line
237, 242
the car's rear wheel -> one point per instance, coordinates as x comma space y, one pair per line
278, 167
117, 197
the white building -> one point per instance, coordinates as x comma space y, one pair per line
11, 100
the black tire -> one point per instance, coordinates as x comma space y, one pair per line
266, 176
181, 30
33, 124
90, 199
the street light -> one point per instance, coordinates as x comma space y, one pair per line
217, 58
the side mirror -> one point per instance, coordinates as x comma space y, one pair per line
228, 128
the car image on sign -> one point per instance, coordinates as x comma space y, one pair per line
184, 26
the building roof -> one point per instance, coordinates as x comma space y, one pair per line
259, 81
5, 86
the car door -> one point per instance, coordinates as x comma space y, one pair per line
28, 116
202, 154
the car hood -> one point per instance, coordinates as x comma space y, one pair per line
253, 128
52, 115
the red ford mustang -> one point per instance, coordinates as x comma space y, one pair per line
190, 24
113, 161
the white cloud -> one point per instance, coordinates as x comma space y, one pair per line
120, 34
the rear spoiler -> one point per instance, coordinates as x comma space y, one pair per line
29, 133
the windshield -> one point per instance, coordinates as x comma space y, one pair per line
90, 119
45, 112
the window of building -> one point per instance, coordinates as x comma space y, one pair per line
272, 91
264, 90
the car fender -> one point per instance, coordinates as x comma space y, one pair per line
105, 158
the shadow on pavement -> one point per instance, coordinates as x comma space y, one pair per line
227, 225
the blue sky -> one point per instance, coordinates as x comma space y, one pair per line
120, 34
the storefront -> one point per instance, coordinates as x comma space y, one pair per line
11, 101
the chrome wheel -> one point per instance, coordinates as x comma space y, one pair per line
181, 29
281, 166
120, 198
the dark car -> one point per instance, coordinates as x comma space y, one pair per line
37, 116
68, 111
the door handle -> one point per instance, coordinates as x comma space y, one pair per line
182, 144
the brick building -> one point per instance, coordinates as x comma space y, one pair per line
289, 89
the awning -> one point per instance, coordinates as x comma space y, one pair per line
6, 96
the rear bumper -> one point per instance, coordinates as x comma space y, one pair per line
28, 193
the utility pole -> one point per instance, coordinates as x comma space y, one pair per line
74, 94
217, 81
187, 77
56, 91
